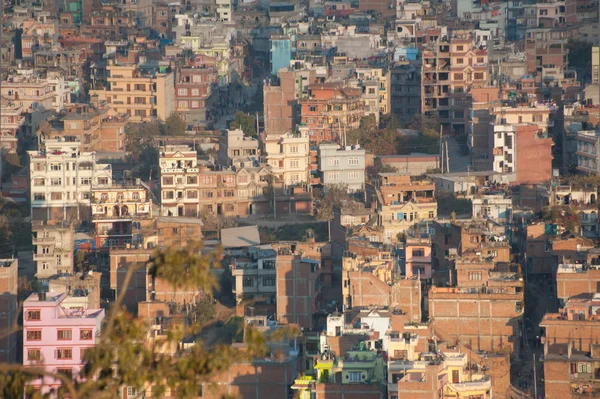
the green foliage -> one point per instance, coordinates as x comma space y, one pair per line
324, 377
245, 122
428, 140
294, 232
378, 141
141, 152
204, 309
175, 125
583, 182
334, 195
564, 216
127, 355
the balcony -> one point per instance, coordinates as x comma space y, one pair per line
42, 240
43, 257
484, 384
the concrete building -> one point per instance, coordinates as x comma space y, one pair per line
401, 201
9, 279
494, 206
521, 149
179, 181
114, 211
418, 258
329, 110
412, 165
235, 148
588, 144
143, 96
281, 53
281, 109
570, 340
342, 165
193, 88
405, 89
449, 70
255, 275
57, 331
288, 157
61, 179
596, 65
53, 243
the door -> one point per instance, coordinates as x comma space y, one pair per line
455, 377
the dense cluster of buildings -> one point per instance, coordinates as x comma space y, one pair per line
425, 282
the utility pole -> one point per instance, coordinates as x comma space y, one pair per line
534, 379
447, 159
441, 150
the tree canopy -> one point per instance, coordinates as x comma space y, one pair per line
334, 195
126, 356
175, 125
246, 122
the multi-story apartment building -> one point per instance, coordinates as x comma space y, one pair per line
255, 275
401, 201
56, 332
330, 109
342, 165
281, 109
418, 257
237, 149
596, 65
588, 144
53, 243
9, 278
179, 181
143, 96
115, 209
521, 151
449, 69
141, 10
405, 89
288, 157
11, 125
571, 353
61, 179
193, 88
94, 128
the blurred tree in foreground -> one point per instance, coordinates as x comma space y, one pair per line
125, 356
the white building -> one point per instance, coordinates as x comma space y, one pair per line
342, 165
504, 156
53, 248
494, 206
179, 172
288, 156
61, 179
587, 151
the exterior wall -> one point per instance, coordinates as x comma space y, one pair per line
363, 289
297, 290
480, 321
410, 164
575, 284
61, 178
342, 165
288, 156
53, 249
418, 259
53, 317
9, 276
534, 156
192, 91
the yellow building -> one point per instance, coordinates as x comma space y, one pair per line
142, 96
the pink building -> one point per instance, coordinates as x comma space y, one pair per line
418, 258
57, 329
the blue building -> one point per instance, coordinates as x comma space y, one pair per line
406, 53
281, 53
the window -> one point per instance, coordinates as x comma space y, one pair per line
460, 61
45, 250
63, 335
64, 353
192, 180
248, 282
167, 180
182, 92
354, 377
66, 371
354, 175
584, 367
168, 195
294, 163
474, 276
207, 194
268, 281
333, 175
56, 196
334, 161
34, 315
353, 161
55, 167
34, 354
268, 265
39, 196
86, 181
192, 194
479, 75
58, 260
243, 179
131, 391
45, 266
34, 335
295, 178
418, 252
460, 48
312, 108
229, 193
294, 149
85, 334
195, 92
